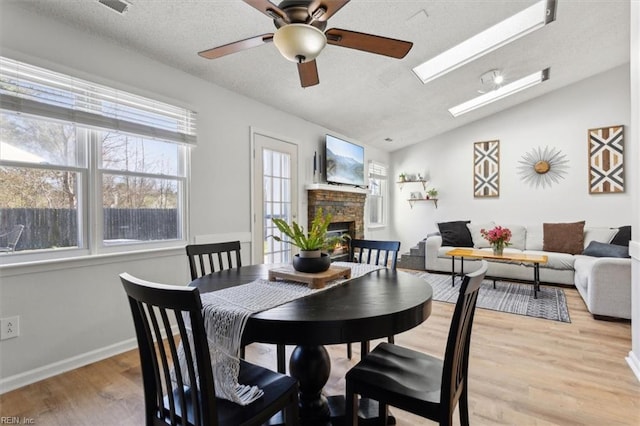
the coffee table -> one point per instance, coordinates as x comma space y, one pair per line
536, 259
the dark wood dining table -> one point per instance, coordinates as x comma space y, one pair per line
378, 304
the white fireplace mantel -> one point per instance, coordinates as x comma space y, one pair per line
339, 188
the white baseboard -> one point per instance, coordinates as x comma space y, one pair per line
19, 380
28, 377
634, 363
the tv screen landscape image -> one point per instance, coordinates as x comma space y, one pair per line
344, 162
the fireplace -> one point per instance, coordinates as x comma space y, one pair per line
341, 249
346, 206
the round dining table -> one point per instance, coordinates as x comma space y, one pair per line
378, 304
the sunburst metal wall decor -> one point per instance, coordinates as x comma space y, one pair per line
543, 166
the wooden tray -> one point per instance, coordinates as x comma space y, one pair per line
315, 281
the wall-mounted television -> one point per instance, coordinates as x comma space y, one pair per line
344, 162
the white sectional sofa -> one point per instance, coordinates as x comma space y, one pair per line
603, 282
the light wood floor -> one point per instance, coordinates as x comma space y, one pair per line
523, 371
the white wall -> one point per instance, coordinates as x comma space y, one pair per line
73, 312
634, 356
560, 120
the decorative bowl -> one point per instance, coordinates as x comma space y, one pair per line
311, 264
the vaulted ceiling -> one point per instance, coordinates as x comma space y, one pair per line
366, 97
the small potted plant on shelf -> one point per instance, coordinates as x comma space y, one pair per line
432, 193
311, 244
402, 177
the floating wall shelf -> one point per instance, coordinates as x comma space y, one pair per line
414, 200
422, 181
424, 186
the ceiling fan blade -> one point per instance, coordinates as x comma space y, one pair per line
368, 43
269, 9
236, 46
308, 73
330, 7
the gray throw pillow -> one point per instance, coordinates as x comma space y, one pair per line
597, 249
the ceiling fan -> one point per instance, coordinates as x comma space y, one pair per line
300, 35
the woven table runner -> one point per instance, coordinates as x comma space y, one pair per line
226, 312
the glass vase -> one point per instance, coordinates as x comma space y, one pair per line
498, 248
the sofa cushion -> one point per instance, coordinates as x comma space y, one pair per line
476, 236
582, 266
518, 236
599, 234
623, 236
534, 237
455, 234
598, 249
563, 237
555, 260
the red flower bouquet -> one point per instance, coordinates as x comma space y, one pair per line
498, 237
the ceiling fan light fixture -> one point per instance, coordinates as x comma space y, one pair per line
299, 42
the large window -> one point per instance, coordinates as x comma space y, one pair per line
87, 167
377, 194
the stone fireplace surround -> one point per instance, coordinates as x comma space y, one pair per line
346, 205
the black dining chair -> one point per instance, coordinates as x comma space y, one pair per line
207, 258
173, 399
416, 382
373, 252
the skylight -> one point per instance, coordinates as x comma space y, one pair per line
501, 92
512, 28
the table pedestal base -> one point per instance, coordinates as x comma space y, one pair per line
311, 365
367, 414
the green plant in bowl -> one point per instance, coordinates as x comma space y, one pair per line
313, 241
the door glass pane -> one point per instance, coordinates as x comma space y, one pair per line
277, 203
267, 160
286, 167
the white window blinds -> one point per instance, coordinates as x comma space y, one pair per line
33, 90
377, 170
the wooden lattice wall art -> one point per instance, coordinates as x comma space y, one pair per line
606, 160
486, 169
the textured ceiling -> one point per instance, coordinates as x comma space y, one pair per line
366, 97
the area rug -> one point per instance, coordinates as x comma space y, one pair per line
514, 298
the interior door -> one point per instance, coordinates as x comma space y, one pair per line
275, 189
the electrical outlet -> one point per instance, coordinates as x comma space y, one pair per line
9, 327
